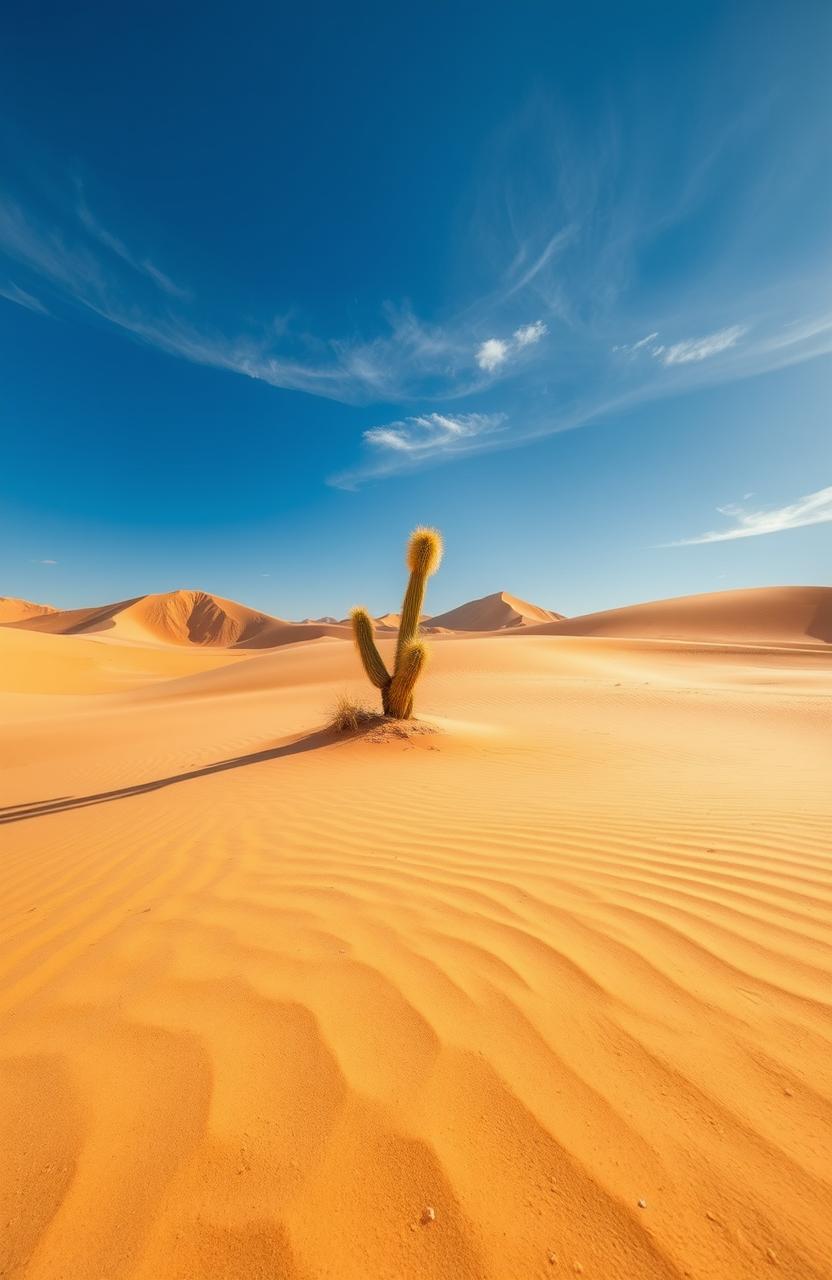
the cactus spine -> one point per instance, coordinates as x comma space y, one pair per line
424, 553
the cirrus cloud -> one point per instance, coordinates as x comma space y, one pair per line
813, 508
692, 350
408, 442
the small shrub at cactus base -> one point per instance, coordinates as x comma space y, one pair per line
424, 553
348, 716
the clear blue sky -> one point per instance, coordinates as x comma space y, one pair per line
279, 282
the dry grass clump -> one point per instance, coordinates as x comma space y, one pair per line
349, 715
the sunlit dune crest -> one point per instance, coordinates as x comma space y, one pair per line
13, 609
492, 613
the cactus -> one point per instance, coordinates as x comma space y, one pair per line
424, 553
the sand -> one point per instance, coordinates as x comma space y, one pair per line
762, 615
558, 972
494, 613
13, 609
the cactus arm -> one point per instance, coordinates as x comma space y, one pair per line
408, 670
362, 630
424, 551
414, 598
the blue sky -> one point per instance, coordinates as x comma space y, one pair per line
277, 285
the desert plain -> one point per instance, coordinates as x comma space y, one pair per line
544, 991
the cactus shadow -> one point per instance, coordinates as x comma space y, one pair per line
61, 804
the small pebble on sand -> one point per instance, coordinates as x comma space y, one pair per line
429, 1214
642, 1204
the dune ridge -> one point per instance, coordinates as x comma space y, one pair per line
13, 609
493, 613
755, 615
175, 617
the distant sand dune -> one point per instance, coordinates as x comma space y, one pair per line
14, 610
559, 972
770, 615
177, 617
759, 615
491, 613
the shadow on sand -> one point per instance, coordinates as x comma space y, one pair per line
60, 804
820, 628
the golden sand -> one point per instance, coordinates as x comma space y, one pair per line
544, 993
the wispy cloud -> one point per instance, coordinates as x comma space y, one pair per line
525, 275
117, 246
692, 350
411, 441
814, 508
688, 351
407, 359
13, 293
430, 431
586, 230
44, 562
494, 352
632, 348
800, 332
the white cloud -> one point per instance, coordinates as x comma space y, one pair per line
632, 347
494, 352
814, 508
23, 299
692, 350
44, 562
410, 442
689, 351
431, 432
528, 334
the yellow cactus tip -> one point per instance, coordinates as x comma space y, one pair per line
424, 551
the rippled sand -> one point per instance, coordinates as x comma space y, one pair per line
559, 972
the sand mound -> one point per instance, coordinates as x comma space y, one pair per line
175, 617
493, 613
392, 621
14, 610
758, 615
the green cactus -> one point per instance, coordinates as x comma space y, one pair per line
424, 553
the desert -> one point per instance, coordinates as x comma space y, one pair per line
416, 641
544, 991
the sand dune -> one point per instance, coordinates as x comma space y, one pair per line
559, 972
14, 610
493, 613
199, 617
760, 615
176, 617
